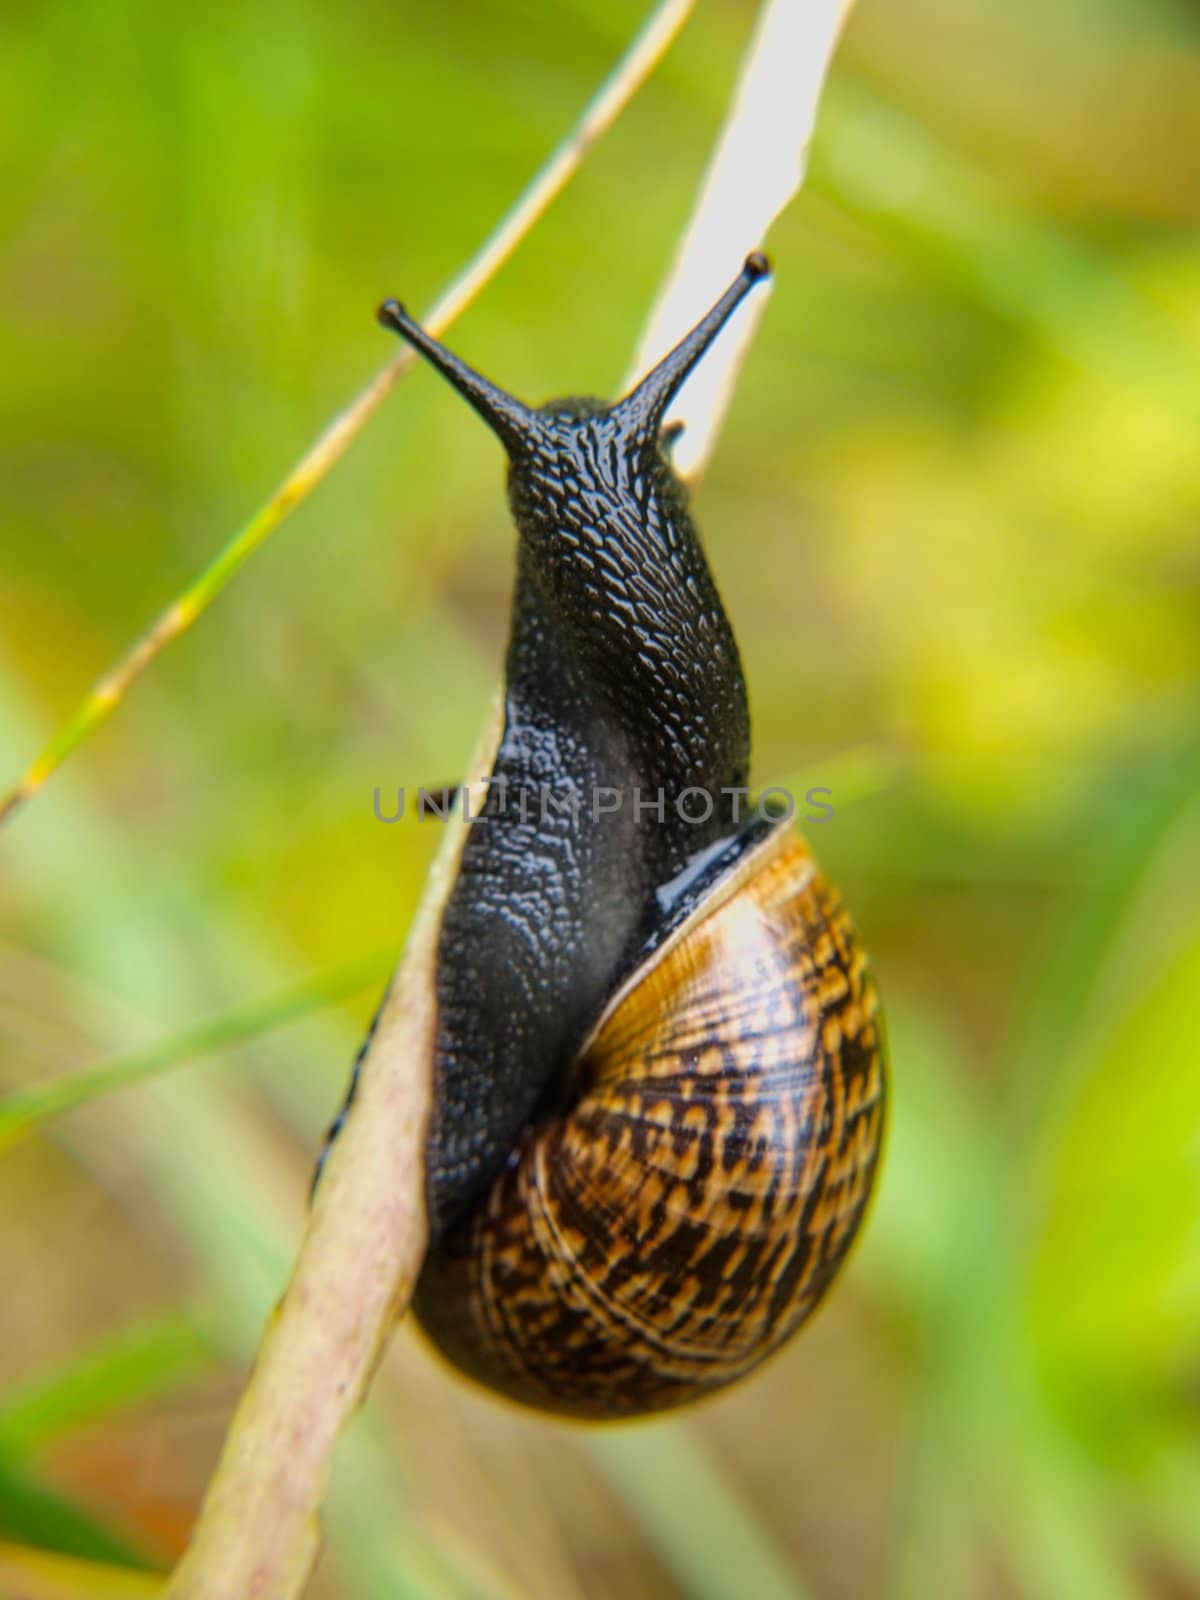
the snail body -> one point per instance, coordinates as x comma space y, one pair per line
657, 1074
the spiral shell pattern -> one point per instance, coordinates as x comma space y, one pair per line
688, 1212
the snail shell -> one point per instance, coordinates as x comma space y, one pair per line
686, 1215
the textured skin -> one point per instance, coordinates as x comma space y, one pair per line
684, 1218
622, 672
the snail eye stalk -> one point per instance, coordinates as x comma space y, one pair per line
643, 408
515, 424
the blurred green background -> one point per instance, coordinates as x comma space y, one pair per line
954, 518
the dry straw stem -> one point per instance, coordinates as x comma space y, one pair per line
258, 1533
757, 169
106, 695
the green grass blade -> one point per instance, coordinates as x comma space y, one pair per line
124, 1371
692, 1514
102, 700
22, 1111
32, 1515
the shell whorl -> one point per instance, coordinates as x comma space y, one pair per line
688, 1211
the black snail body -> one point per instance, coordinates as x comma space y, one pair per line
658, 1071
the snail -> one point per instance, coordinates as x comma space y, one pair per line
658, 1067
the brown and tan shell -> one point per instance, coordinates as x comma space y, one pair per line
686, 1216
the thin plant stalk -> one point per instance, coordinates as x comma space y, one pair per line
106, 695
258, 1532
